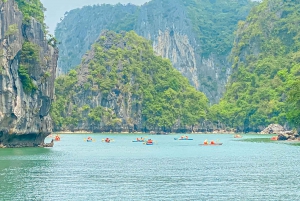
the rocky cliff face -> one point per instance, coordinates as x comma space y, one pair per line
121, 85
184, 32
24, 112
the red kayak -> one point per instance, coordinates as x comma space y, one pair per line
211, 144
57, 138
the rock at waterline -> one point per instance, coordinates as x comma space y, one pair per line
288, 135
273, 129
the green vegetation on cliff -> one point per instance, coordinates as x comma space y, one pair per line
266, 69
214, 22
294, 104
83, 26
122, 83
32, 8
211, 23
29, 57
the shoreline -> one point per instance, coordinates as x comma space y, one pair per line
148, 133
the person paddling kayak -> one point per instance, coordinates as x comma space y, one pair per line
57, 138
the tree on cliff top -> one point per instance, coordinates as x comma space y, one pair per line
32, 8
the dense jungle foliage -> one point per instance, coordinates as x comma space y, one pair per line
214, 22
121, 72
264, 86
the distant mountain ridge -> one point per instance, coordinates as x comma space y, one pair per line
196, 35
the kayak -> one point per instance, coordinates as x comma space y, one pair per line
182, 138
107, 140
210, 144
274, 138
138, 141
149, 143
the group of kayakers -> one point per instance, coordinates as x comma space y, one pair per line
149, 141
211, 142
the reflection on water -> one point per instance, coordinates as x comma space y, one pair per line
169, 170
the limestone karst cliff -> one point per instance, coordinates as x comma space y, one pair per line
27, 72
121, 85
264, 86
196, 36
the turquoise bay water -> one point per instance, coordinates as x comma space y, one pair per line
169, 170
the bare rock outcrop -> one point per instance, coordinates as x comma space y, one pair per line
24, 116
288, 135
273, 129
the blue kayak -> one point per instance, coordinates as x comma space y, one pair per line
182, 139
138, 141
89, 140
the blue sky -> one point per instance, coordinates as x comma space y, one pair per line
57, 8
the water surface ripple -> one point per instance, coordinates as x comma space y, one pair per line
169, 170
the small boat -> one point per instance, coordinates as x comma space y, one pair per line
237, 136
211, 144
274, 138
149, 142
89, 139
182, 138
57, 138
107, 140
139, 140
